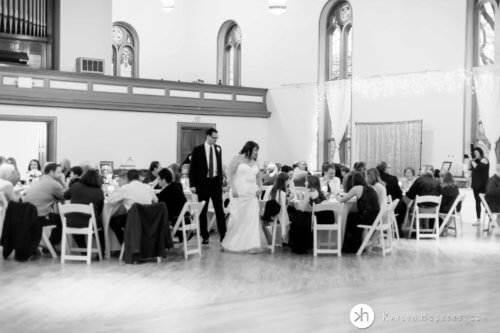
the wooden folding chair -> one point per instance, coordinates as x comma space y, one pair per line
492, 217
452, 216
426, 213
90, 231
383, 226
266, 225
334, 226
194, 208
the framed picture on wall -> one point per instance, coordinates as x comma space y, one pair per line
106, 167
446, 167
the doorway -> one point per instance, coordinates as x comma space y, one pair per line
190, 135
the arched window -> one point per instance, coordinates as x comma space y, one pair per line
485, 32
335, 64
229, 54
125, 50
483, 55
339, 41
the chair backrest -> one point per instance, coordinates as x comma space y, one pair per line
485, 204
323, 207
434, 199
191, 197
389, 213
180, 218
195, 209
77, 208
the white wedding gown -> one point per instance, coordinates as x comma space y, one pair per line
243, 228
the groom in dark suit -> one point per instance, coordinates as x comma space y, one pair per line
205, 179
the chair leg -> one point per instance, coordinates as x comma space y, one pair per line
315, 240
365, 242
122, 252
198, 237
89, 247
98, 243
339, 242
417, 223
47, 243
63, 245
411, 225
382, 242
184, 241
273, 242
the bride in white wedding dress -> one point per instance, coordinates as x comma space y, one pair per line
243, 230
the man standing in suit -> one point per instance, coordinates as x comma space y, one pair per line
205, 178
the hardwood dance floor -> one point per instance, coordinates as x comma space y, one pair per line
284, 292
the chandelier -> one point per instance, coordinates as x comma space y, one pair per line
277, 7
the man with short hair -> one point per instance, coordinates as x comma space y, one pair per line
332, 183
426, 184
44, 194
492, 195
151, 177
205, 179
133, 192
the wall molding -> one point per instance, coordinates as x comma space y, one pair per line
19, 86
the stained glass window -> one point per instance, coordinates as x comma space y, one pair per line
486, 34
232, 56
125, 49
340, 42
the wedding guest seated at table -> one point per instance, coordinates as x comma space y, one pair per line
290, 187
409, 179
300, 173
12, 160
300, 218
347, 181
34, 171
373, 179
330, 180
44, 193
344, 170
270, 176
171, 194
449, 192
9, 177
176, 172
74, 175
133, 192
426, 184
393, 189
367, 210
492, 195
85, 191
65, 167
151, 176
278, 192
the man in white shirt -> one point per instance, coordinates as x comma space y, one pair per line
133, 192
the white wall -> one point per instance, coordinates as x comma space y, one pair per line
96, 135
85, 32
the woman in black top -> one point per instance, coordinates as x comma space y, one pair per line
449, 192
368, 208
86, 191
480, 167
172, 195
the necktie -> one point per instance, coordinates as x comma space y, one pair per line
211, 162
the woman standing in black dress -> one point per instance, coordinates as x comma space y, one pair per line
480, 167
368, 208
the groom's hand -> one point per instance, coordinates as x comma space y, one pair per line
193, 190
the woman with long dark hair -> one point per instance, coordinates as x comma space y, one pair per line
480, 167
243, 228
278, 192
368, 208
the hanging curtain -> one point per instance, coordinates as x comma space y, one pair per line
397, 143
338, 96
487, 86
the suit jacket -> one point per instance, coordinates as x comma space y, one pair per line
392, 185
83, 194
198, 170
147, 232
173, 196
21, 231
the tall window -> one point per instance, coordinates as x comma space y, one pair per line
229, 54
125, 50
339, 41
336, 46
484, 54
